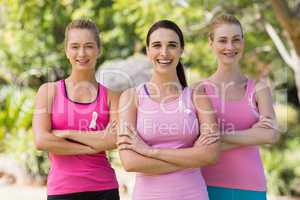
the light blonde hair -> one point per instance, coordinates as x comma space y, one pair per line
223, 19
83, 24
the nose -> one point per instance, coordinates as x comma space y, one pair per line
81, 51
164, 51
229, 45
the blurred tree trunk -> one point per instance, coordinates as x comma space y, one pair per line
289, 19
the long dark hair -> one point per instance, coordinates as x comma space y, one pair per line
172, 26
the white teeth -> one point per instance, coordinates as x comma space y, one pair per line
164, 61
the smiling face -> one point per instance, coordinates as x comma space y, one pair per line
164, 50
227, 44
81, 49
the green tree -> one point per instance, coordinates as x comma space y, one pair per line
33, 34
288, 15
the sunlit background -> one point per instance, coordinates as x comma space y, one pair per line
31, 53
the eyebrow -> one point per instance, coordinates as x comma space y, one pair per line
155, 43
224, 37
87, 43
90, 43
173, 42
170, 42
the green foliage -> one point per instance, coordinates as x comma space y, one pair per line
282, 160
32, 52
33, 35
282, 169
33, 42
26, 46
16, 137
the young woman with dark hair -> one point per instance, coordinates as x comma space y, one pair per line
160, 136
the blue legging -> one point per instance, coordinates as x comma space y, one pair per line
220, 193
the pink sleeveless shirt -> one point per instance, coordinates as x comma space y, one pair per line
79, 173
172, 124
239, 168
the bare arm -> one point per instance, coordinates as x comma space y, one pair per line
227, 146
257, 135
99, 140
41, 124
131, 160
206, 149
135, 162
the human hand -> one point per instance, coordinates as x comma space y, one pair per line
265, 122
128, 139
207, 139
112, 128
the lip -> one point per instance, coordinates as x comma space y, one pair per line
230, 54
82, 62
164, 61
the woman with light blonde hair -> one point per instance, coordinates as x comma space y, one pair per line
71, 123
245, 113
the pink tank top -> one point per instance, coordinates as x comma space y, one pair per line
168, 125
239, 168
79, 173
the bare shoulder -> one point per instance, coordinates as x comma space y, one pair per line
129, 98
198, 88
129, 93
200, 98
44, 98
113, 98
264, 99
261, 85
47, 90
262, 90
198, 84
113, 94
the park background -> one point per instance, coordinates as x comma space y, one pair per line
32, 52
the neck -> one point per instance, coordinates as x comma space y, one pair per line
165, 82
227, 73
83, 76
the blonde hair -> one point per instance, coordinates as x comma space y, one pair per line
222, 19
83, 24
